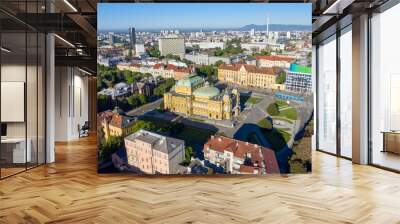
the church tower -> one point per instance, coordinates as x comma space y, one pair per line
236, 93
227, 106
106, 127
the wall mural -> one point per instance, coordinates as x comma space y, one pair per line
204, 88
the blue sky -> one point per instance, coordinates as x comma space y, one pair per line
117, 16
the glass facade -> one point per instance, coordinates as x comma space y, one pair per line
334, 97
326, 78
346, 94
385, 89
22, 77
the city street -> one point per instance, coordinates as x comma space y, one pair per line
145, 108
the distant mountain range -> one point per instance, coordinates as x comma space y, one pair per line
272, 27
277, 27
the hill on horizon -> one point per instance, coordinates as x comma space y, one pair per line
272, 27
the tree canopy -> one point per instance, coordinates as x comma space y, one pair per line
164, 87
154, 52
209, 72
281, 78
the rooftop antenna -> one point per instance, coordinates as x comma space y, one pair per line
267, 27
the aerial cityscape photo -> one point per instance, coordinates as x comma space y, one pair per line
204, 88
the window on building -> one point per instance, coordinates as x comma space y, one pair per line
346, 92
327, 95
385, 89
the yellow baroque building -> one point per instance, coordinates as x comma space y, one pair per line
249, 76
193, 96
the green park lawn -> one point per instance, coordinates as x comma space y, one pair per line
281, 103
264, 123
249, 100
194, 135
282, 119
197, 119
289, 113
159, 123
284, 110
253, 100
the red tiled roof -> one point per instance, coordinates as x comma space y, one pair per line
274, 58
183, 69
115, 119
240, 149
249, 68
158, 66
104, 115
249, 169
135, 65
121, 121
170, 67
173, 67
271, 164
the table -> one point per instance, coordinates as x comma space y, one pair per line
391, 141
13, 150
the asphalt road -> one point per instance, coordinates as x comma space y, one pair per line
145, 108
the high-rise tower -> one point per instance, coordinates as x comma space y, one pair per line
132, 36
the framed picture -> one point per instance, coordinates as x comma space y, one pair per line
216, 88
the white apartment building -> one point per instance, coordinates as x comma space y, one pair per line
207, 45
204, 59
171, 45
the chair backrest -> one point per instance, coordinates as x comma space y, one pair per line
86, 125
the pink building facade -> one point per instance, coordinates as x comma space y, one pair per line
153, 153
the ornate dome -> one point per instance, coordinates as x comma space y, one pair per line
206, 91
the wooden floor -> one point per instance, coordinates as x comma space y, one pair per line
387, 159
70, 191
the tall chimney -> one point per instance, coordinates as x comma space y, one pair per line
267, 27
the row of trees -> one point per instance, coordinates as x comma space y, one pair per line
281, 78
264, 52
105, 102
233, 47
109, 76
210, 72
153, 52
164, 87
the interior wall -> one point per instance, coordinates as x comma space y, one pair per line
61, 103
16, 73
71, 102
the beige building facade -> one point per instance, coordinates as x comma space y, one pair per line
249, 76
116, 124
274, 61
192, 96
159, 70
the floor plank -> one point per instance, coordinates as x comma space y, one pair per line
71, 191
